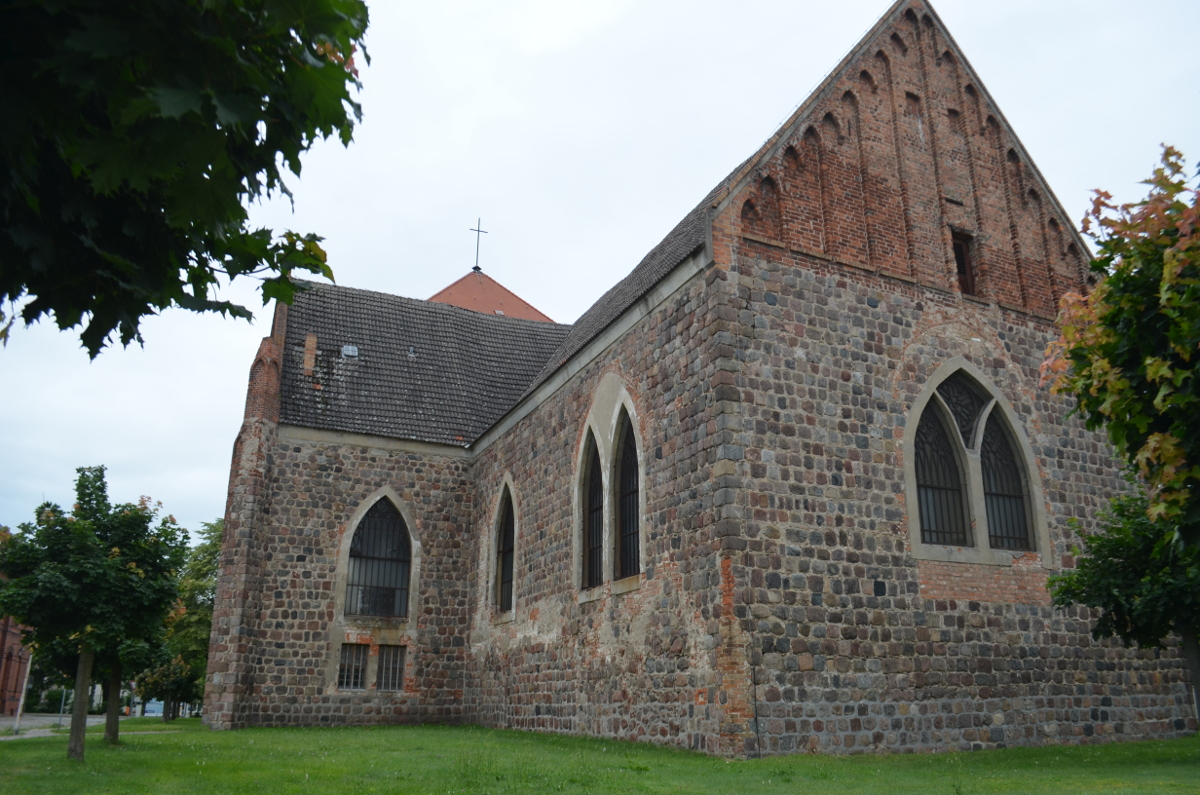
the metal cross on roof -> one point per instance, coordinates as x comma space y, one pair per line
478, 230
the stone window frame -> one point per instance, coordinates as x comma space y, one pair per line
493, 574
978, 550
612, 402
374, 631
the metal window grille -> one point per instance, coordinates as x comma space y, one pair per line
628, 552
380, 558
1003, 490
939, 484
593, 522
962, 259
505, 555
391, 668
352, 673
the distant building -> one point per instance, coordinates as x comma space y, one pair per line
14, 666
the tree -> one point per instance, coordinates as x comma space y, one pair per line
1129, 350
191, 624
135, 133
89, 583
1144, 586
173, 682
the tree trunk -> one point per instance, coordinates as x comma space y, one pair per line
1191, 657
167, 704
79, 710
112, 722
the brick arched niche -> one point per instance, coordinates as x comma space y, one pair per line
613, 409
372, 630
491, 548
994, 407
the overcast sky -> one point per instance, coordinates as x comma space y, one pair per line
580, 133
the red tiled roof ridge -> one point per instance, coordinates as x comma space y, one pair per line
479, 292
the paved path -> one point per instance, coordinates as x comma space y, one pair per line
39, 725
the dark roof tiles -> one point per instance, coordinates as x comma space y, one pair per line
424, 371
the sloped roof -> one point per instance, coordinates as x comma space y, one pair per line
424, 371
481, 293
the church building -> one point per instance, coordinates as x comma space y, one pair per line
791, 485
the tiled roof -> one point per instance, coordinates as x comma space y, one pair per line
481, 293
424, 371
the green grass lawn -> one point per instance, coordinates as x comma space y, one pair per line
183, 757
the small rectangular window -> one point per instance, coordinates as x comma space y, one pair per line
352, 673
391, 668
964, 264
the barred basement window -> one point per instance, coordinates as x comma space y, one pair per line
352, 673
505, 548
628, 546
380, 559
1003, 490
939, 484
964, 264
391, 668
593, 519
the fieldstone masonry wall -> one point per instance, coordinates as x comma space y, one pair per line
783, 604
289, 659
639, 658
858, 643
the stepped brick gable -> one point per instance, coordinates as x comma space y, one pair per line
790, 485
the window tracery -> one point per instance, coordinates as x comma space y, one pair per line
971, 502
964, 402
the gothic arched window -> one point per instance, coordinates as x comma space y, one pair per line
628, 547
971, 483
505, 553
380, 560
593, 518
939, 484
1003, 489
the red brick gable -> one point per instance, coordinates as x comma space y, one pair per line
900, 151
481, 293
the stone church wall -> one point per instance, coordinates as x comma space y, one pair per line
314, 488
840, 242
279, 625
858, 644
636, 659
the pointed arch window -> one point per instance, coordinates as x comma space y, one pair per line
1003, 490
628, 557
505, 553
380, 561
971, 480
593, 519
939, 484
